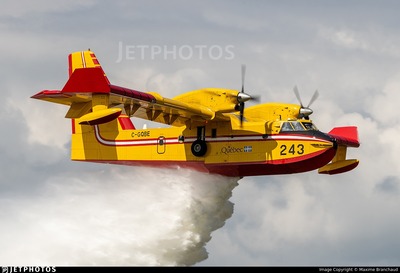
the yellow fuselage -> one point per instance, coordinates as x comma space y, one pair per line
256, 148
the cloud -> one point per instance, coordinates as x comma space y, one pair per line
23, 8
383, 104
372, 39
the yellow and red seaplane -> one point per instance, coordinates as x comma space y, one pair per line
208, 130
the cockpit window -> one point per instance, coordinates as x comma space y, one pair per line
309, 126
286, 127
297, 126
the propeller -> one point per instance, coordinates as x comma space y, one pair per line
242, 97
305, 111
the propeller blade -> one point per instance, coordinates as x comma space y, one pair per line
296, 92
313, 98
241, 110
243, 75
242, 97
305, 111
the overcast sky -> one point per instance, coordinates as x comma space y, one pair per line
54, 211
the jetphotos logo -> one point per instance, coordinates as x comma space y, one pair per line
184, 52
28, 269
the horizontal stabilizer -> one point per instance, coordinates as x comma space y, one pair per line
340, 166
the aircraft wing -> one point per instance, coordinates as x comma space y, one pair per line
88, 88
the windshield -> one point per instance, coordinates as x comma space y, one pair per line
310, 126
290, 126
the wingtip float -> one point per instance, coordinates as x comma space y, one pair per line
210, 129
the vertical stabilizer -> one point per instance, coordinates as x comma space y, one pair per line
84, 59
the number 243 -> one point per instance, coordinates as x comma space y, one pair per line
293, 149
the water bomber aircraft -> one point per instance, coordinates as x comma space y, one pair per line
208, 130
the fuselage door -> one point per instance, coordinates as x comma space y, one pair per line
161, 145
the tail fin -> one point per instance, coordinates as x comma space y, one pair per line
83, 59
85, 76
87, 91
